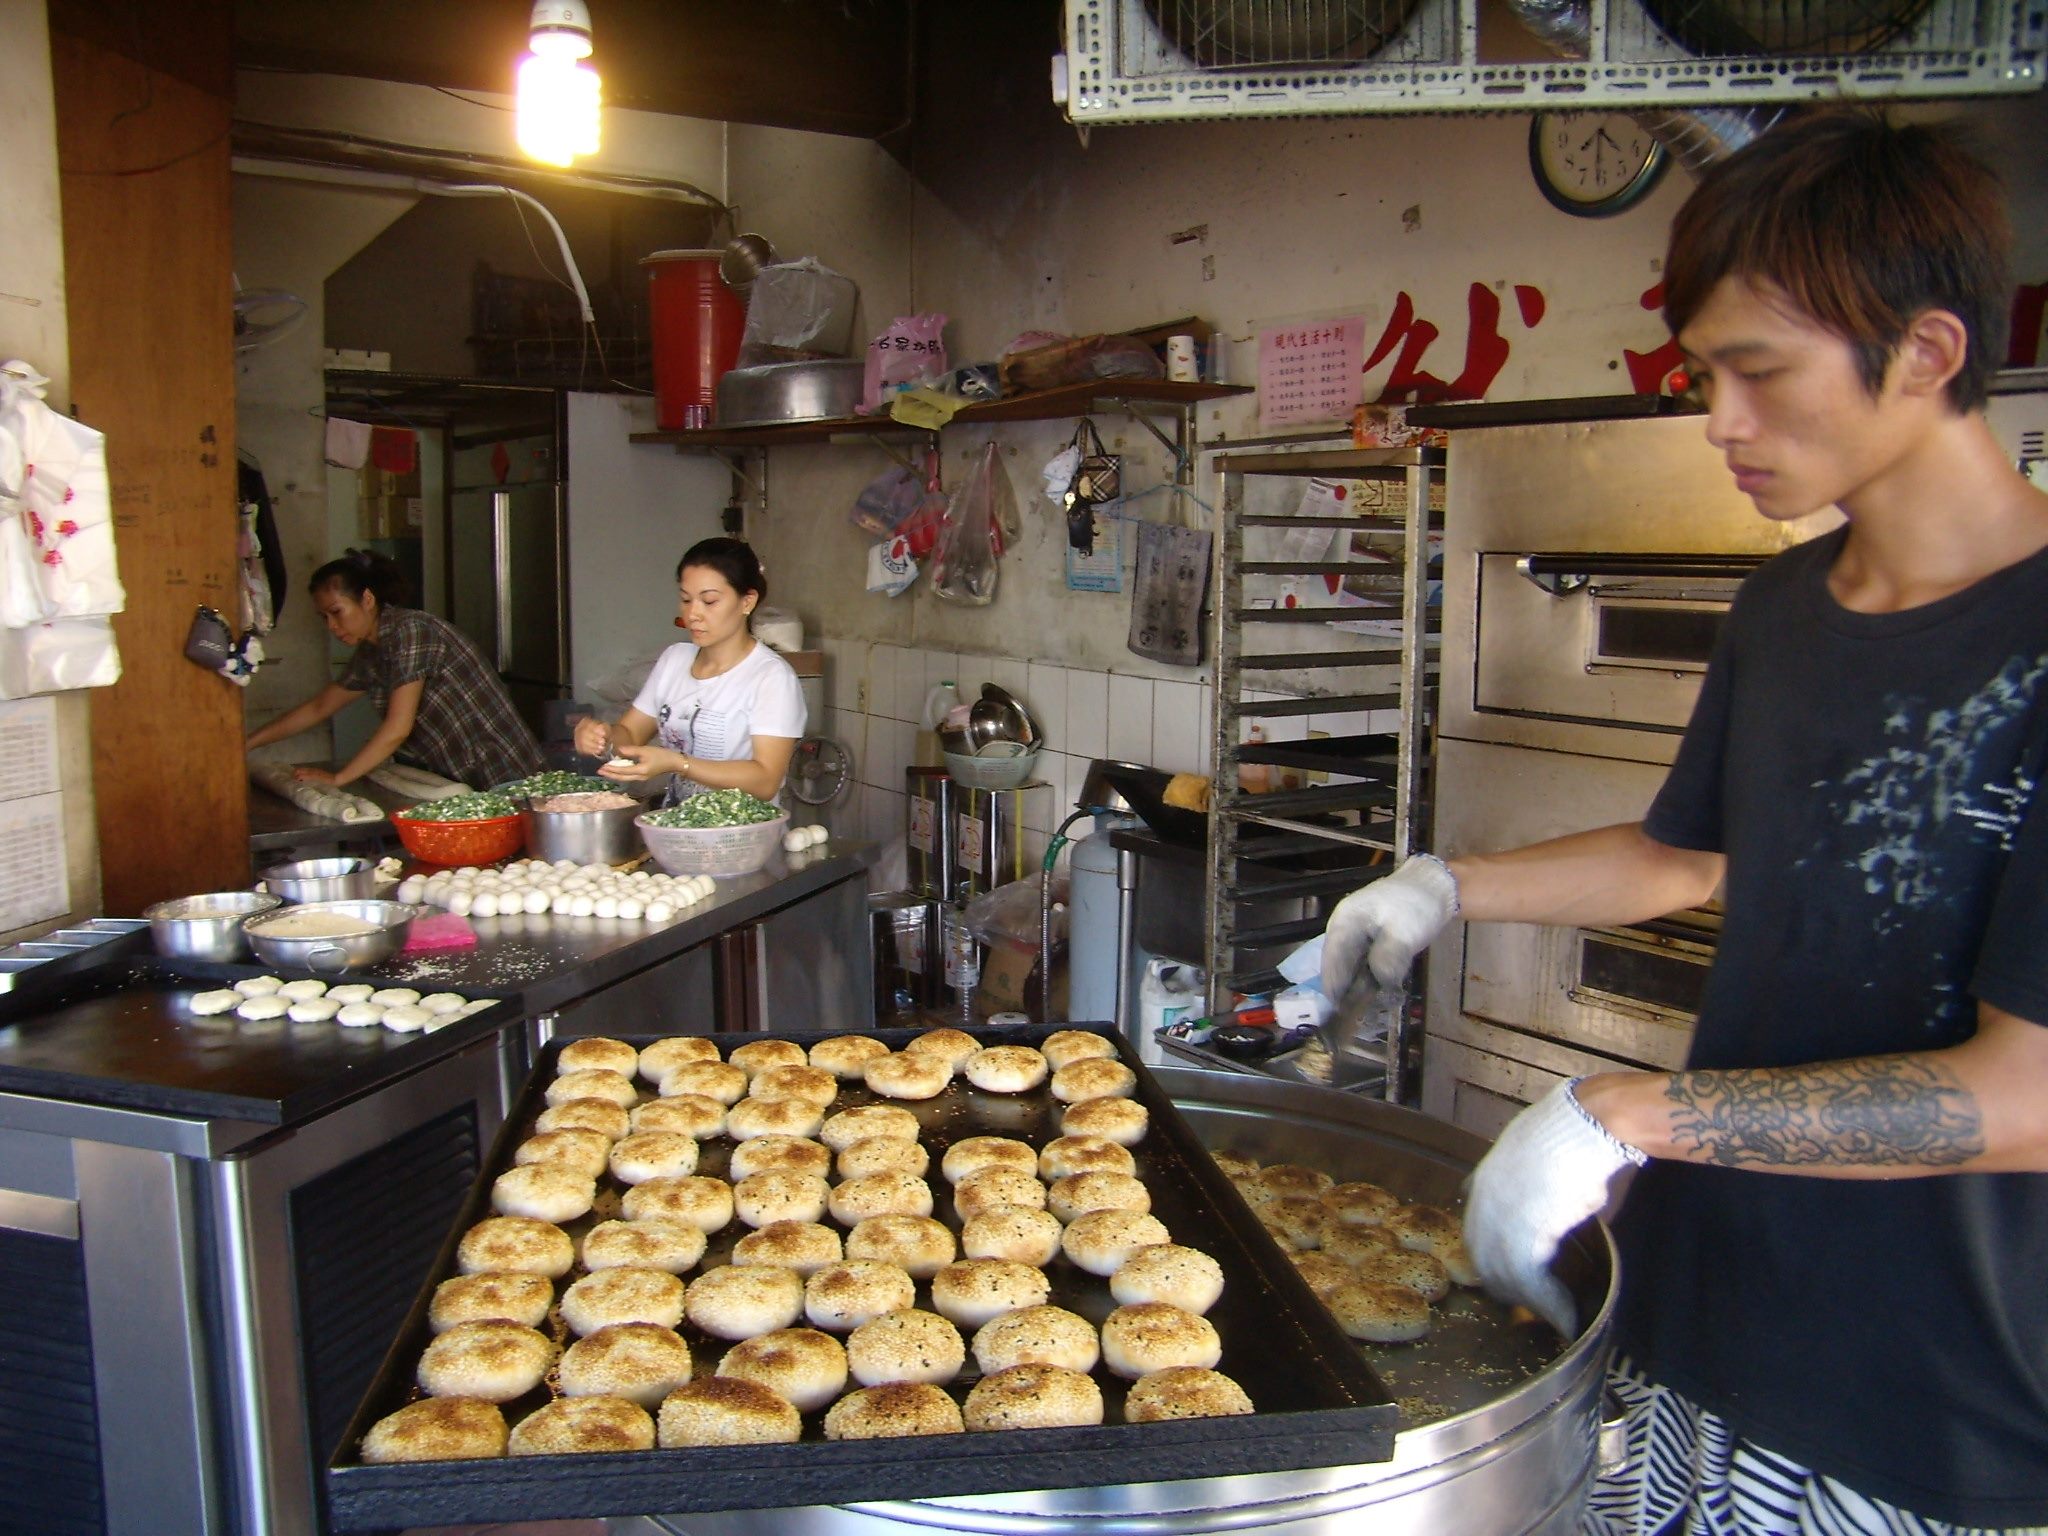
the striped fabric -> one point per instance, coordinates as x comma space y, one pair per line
1689, 1474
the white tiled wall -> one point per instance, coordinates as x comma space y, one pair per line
874, 694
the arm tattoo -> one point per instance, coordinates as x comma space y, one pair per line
1882, 1111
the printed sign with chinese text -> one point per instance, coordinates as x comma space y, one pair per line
1311, 371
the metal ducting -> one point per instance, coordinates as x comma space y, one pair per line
1695, 137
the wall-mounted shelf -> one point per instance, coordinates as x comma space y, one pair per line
1037, 405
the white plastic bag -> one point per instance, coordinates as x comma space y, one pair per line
891, 570
58, 656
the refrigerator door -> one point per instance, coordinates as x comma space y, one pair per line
511, 588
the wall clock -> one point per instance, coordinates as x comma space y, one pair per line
1593, 163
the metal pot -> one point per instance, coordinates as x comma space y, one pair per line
206, 927
823, 390
588, 837
338, 952
337, 879
1518, 1463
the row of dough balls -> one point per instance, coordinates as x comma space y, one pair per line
565, 888
354, 1004
1376, 1262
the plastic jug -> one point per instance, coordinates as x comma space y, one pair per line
1169, 991
942, 697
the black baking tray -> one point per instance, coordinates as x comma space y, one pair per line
1319, 1402
120, 1031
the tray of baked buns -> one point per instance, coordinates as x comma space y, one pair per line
766, 1271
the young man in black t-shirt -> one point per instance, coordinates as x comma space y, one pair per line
1858, 1342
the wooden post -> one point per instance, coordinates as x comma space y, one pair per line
143, 157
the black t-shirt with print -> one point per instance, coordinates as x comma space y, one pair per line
1871, 779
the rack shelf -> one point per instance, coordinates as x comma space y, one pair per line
1037, 405
1319, 842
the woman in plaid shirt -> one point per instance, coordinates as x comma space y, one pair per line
444, 708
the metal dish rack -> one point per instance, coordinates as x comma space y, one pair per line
1299, 850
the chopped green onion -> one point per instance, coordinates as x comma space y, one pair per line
715, 808
484, 805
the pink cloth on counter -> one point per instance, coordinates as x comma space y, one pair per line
444, 930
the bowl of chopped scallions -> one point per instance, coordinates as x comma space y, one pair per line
720, 832
479, 828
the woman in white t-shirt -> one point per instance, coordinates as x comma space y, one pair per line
719, 711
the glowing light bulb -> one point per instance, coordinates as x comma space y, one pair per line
560, 98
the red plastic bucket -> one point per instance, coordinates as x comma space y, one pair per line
696, 323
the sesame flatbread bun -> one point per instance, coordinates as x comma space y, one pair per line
1184, 1392
725, 1410
437, 1429
893, 1410
581, 1426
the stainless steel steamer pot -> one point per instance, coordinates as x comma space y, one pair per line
1517, 1465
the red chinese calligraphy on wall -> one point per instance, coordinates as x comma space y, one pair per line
1649, 373
1408, 337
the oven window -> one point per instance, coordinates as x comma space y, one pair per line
1655, 633
1663, 979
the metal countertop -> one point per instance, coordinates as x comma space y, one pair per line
104, 1046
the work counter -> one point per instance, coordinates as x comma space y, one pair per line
218, 1230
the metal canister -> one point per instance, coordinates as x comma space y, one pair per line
988, 836
929, 834
908, 966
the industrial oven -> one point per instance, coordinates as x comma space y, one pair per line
1587, 568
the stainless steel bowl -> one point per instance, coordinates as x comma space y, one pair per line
336, 879
588, 837
206, 927
336, 952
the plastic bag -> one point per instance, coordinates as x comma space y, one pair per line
886, 501
1010, 912
972, 541
910, 352
797, 311
891, 566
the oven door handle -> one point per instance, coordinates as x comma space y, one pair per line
1562, 574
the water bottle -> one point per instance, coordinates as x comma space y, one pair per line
963, 960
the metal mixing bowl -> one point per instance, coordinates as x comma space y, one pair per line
206, 927
336, 879
337, 952
588, 837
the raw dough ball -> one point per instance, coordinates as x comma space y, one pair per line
407, 1019
268, 1005
359, 1015
392, 997
658, 912
444, 1002
226, 1000
535, 901
259, 986
351, 992
298, 991
314, 1010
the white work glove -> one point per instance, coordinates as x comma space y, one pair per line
1548, 1172
1388, 923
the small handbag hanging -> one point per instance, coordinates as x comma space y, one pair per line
1097, 478
209, 641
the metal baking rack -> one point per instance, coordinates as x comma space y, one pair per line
1280, 860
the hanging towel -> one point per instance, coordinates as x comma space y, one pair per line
348, 443
395, 450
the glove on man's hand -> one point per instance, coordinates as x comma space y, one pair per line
1388, 923
1548, 1172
